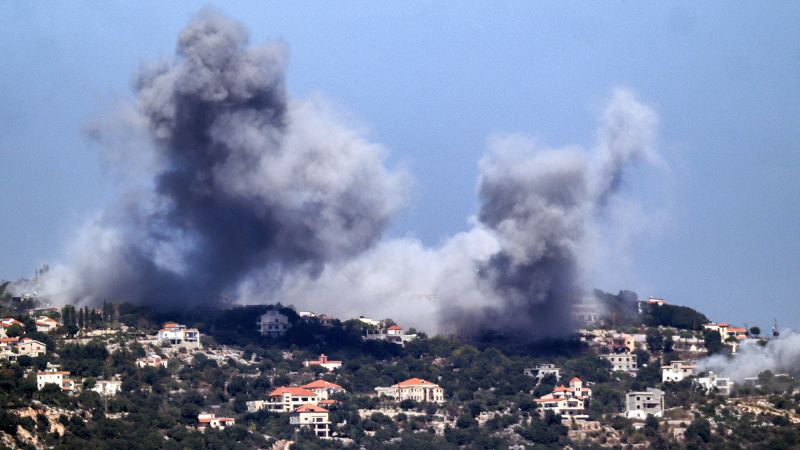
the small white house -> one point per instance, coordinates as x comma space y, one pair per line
59, 378
638, 405
324, 362
272, 323
210, 420
676, 371
542, 371
712, 381
108, 388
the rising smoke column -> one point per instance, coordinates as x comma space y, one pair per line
781, 355
243, 179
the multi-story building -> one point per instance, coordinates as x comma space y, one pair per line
567, 401
622, 362
323, 389
711, 382
61, 379
324, 362
45, 324
108, 388
312, 416
272, 323
287, 399
676, 371
638, 405
413, 389
542, 371
205, 420
180, 335
619, 343
30, 347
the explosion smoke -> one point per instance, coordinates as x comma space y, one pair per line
780, 355
266, 198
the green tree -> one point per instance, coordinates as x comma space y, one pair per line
713, 342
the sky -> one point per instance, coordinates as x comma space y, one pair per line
433, 83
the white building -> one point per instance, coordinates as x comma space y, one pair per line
368, 321
210, 420
622, 362
180, 335
61, 379
45, 324
676, 371
287, 399
567, 401
108, 388
638, 405
712, 381
542, 371
272, 323
323, 389
152, 360
324, 362
30, 347
392, 334
313, 417
413, 389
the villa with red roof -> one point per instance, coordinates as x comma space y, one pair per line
324, 362
323, 389
45, 324
61, 379
567, 401
7, 323
413, 389
205, 420
392, 333
312, 416
287, 399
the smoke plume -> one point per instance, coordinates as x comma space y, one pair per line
260, 197
781, 355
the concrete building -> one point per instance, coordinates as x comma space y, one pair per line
180, 335
622, 362
415, 389
61, 379
324, 362
312, 416
724, 386
676, 371
206, 420
567, 401
542, 371
272, 323
621, 342
638, 405
108, 388
323, 389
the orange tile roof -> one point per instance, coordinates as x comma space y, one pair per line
292, 391
395, 327
308, 407
574, 379
11, 339
328, 402
320, 384
415, 382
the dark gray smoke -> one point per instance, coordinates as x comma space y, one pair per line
243, 179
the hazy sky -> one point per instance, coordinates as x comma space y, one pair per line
433, 83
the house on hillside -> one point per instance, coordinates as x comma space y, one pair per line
287, 399
179, 335
676, 371
712, 382
30, 347
151, 360
622, 362
273, 324
542, 371
394, 334
313, 417
324, 362
638, 405
566, 401
205, 420
108, 388
62, 379
7, 323
621, 343
323, 389
45, 324
415, 389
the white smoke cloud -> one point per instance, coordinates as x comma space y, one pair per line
781, 355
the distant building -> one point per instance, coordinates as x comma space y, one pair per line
30, 347
638, 405
272, 323
567, 401
324, 362
709, 383
8, 322
585, 311
287, 399
676, 371
622, 362
180, 335
619, 343
205, 420
415, 389
312, 416
542, 371
721, 328
108, 388
323, 389
152, 360
45, 324
392, 334
61, 379
368, 321
656, 301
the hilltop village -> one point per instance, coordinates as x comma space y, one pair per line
274, 377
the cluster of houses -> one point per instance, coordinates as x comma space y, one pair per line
67, 383
567, 401
304, 403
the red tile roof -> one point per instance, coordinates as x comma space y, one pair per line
321, 384
308, 407
292, 391
415, 382
395, 327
